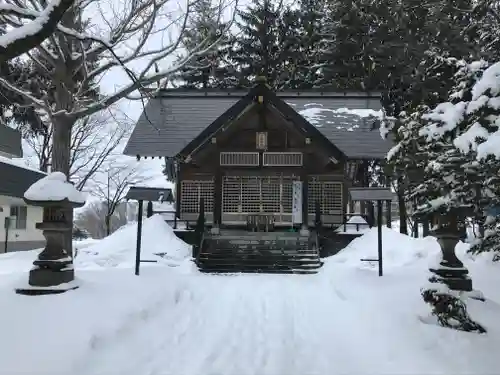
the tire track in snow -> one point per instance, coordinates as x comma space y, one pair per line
206, 338
225, 355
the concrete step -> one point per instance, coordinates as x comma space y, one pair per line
259, 253
259, 260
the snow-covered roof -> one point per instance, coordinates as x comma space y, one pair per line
54, 188
16, 177
169, 123
10, 142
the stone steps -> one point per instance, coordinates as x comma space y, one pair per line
258, 253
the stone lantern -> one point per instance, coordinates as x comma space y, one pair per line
53, 271
451, 270
447, 305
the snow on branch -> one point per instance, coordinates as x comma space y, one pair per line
142, 38
471, 119
22, 39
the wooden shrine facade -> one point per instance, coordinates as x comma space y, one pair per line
261, 157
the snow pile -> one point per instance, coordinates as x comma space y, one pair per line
118, 249
54, 187
398, 250
343, 320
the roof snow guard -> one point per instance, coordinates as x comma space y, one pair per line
171, 121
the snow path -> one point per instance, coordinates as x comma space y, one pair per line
174, 320
219, 325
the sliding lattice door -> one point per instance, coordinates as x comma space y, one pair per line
244, 195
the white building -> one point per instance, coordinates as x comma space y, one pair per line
17, 220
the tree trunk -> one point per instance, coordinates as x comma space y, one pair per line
60, 163
415, 228
371, 214
403, 215
108, 224
388, 214
425, 227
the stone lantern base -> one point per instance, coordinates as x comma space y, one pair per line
34, 291
52, 271
451, 270
49, 280
455, 279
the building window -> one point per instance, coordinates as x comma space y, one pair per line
21, 215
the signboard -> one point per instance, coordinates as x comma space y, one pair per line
297, 202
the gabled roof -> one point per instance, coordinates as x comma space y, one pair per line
10, 142
16, 179
173, 120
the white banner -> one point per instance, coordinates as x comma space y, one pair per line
297, 202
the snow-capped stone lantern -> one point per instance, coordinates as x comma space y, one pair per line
449, 283
53, 269
450, 270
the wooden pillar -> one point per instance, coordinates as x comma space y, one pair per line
178, 192
388, 214
346, 202
217, 198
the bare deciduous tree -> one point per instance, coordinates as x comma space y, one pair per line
111, 186
93, 140
93, 218
135, 35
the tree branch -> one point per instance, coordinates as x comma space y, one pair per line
21, 40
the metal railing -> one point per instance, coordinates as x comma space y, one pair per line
174, 222
347, 216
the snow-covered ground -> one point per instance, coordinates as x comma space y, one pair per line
175, 320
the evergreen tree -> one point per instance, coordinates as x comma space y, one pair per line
310, 15
408, 159
347, 32
444, 138
485, 24
210, 69
455, 138
266, 45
